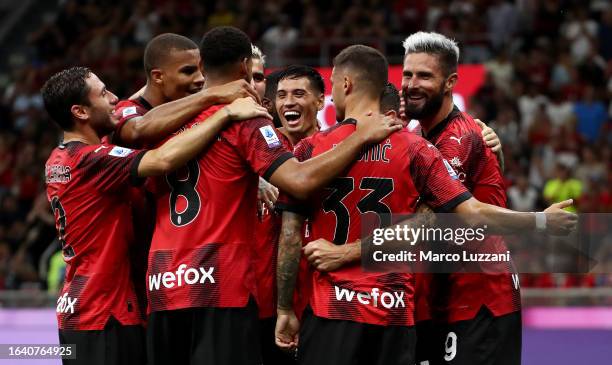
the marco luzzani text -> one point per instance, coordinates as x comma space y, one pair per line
405, 236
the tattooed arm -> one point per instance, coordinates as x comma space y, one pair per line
326, 256
289, 251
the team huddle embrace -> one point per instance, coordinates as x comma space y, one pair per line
207, 220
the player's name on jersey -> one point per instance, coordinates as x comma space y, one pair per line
57, 174
374, 153
432, 256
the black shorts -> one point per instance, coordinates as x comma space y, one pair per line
335, 342
220, 336
483, 340
270, 353
115, 344
425, 342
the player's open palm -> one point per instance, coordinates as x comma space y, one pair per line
375, 127
246, 108
286, 333
560, 222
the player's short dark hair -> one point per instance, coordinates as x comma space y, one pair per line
370, 65
159, 49
390, 99
272, 84
436, 44
299, 71
224, 46
63, 90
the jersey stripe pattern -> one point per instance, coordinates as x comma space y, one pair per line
86, 188
459, 296
388, 178
202, 249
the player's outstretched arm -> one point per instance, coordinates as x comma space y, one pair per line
300, 179
289, 250
323, 255
164, 119
554, 219
185, 146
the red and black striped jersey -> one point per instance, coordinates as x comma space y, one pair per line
86, 185
388, 178
202, 249
459, 296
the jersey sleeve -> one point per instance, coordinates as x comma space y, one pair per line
125, 111
108, 167
257, 142
434, 178
285, 202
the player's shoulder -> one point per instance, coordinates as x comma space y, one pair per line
461, 123
66, 156
206, 113
411, 140
459, 131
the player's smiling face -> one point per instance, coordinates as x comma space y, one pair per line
181, 74
101, 105
423, 85
297, 104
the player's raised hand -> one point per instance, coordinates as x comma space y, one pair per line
246, 108
286, 333
324, 255
231, 91
560, 222
375, 127
489, 136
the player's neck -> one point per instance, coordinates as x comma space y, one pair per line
153, 96
217, 79
429, 123
295, 138
85, 135
359, 106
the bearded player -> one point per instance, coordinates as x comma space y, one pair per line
349, 316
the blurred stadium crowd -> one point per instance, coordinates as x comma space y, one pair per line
548, 92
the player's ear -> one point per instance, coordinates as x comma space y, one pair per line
321, 101
451, 81
79, 112
391, 113
157, 76
347, 85
247, 67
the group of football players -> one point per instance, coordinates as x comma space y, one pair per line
207, 220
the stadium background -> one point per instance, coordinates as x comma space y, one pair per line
539, 71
